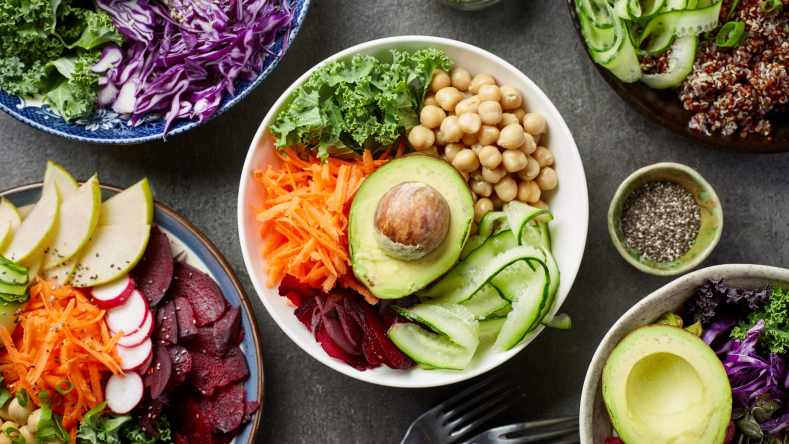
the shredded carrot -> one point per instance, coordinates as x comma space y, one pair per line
61, 335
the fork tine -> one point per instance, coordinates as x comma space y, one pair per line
540, 437
477, 399
485, 417
503, 430
466, 392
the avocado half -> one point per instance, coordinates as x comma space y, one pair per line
385, 276
662, 384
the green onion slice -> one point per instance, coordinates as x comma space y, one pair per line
5, 395
23, 397
50, 425
731, 34
772, 5
59, 399
68, 384
15, 435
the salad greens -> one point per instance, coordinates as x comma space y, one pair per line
775, 336
343, 110
48, 47
110, 428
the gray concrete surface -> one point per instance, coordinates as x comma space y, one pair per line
197, 175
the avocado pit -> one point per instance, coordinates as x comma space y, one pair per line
411, 221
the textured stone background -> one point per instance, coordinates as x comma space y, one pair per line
197, 175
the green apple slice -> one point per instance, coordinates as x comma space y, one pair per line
9, 312
133, 205
33, 264
5, 231
78, 217
60, 273
36, 228
113, 250
8, 212
55, 174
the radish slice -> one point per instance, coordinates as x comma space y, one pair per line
134, 357
145, 365
138, 337
113, 294
124, 393
130, 316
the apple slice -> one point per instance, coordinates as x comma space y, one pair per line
9, 212
34, 231
135, 357
60, 273
124, 392
5, 231
132, 206
79, 214
55, 174
113, 294
111, 252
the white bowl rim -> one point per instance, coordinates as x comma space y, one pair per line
592, 379
568, 273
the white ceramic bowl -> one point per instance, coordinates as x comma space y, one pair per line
569, 202
594, 422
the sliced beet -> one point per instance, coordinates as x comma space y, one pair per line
146, 413
155, 271
331, 323
240, 335
310, 313
223, 438
224, 408
352, 330
336, 352
193, 423
218, 337
162, 368
250, 407
185, 318
297, 292
203, 293
180, 438
395, 357
210, 372
181, 362
166, 326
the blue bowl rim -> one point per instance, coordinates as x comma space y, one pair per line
253, 322
296, 23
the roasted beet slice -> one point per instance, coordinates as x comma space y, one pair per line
352, 330
395, 357
147, 411
193, 423
155, 271
333, 327
217, 338
185, 318
336, 352
166, 326
181, 362
250, 407
224, 408
162, 368
291, 288
180, 438
223, 438
310, 313
210, 372
205, 296
240, 335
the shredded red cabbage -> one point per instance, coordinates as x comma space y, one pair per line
183, 55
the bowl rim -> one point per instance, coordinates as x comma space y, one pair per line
619, 197
592, 379
296, 23
246, 174
253, 323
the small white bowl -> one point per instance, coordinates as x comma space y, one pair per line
569, 202
594, 421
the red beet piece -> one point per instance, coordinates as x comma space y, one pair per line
333, 327
181, 362
147, 411
250, 408
162, 368
224, 408
240, 336
396, 358
310, 313
614, 441
730, 432
223, 438
155, 271
166, 326
205, 296
180, 438
210, 372
297, 292
336, 352
185, 318
353, 332
193, 423
217, 338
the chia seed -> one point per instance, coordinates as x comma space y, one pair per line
660, 221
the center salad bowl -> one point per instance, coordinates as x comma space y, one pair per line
569, 204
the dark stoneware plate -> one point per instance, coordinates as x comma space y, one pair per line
664, 109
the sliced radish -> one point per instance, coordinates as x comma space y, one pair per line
145, 365
138, 337
130, 316
113, 294
134, 357
124, 393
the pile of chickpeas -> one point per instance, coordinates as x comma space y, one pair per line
481, 129
25, 419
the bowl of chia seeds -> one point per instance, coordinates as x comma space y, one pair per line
665, 219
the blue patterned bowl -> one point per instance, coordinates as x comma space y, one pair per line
201, 253
106, 127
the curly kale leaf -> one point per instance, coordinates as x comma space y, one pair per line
74, 90
710, 295
775, 336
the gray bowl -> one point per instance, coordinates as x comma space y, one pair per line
594, 422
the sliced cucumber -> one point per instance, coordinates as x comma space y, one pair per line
472, 244
429, 348
553, 287
597, 12
598, 39
504, 311
528, 291
605, 57
560, 322
546, 235
690, 21
624, 64
519, 214
486, 224
12, 274
680, 64
13, 290
531, 235
454, 321
485, 302
489, 329
658, 37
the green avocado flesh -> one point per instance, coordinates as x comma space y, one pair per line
662, 384
390, 278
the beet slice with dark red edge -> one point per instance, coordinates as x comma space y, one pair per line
218, 337
224, 408
240, 335
223, 438
333, 327
146, 413
336, 352
250, 407
210, 372
311, 313
166, 326
297, 292
203, 293
181, 362
185, 318
155, 271
352, 330
180, 438
395, 357
162, 368
193, 423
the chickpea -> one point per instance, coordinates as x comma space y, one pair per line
537, 138
490, 112
477, 147
528, 191
534, 123
451, 151
4, 414
547, 179
481, 208
451, 113
432, 116
450, 129
467, 95
470, 123
468, 139
439, 138
528, 145
543, 156
430, 99
489, 156
476, 175
511, 98
514, 161
482, 79
480, 187
505, 206
448, 98
497, 203
432, 151
18, 413
469, 105
474, 228
466, 176
488, 135
466, 161
531, 171
33, 420
474, 197
493, 175
506, 189
421, 138
508, 119
440, 80
541, 205
489, 92
511, 137
5, 439
460, 79
519, 113
30, 437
